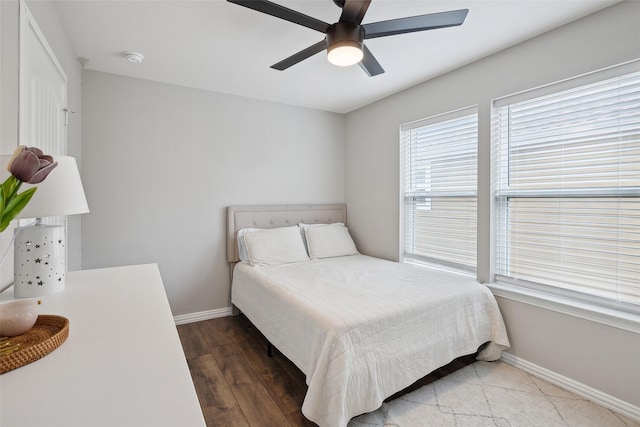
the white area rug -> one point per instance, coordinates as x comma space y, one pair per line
491, 394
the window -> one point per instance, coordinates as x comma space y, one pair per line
439, 159
567, 183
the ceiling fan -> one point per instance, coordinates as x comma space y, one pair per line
344, 40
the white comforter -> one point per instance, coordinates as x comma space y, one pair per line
361, 328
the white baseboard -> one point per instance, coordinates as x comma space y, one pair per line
202, 315
590, 393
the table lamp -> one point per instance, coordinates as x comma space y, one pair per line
39, 263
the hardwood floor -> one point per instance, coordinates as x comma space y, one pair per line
239, 385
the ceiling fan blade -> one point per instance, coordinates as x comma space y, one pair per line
369, 63
285, 13
300, 56
354, 10
411, 24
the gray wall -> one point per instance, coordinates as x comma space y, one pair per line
161, 163
567, 345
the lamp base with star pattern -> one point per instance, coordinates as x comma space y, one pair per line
39, 264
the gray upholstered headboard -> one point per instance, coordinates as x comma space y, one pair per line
272, 216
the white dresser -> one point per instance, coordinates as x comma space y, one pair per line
122, 364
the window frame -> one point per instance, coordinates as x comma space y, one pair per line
602, 310
608, 315
422, 260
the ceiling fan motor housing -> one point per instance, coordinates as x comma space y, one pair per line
345, 33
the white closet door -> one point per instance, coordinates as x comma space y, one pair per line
43, 90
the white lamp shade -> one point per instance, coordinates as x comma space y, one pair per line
60, 194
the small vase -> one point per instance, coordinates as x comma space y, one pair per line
17, 317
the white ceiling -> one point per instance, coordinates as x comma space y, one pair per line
222, 47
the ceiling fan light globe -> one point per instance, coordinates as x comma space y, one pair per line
344, 54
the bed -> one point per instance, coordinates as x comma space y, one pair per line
360, 328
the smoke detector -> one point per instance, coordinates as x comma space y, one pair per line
134, 57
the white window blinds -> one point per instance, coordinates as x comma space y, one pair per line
439, 179
567, 183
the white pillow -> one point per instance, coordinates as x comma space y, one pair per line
274, 246
242, 247
329, 240
303, 228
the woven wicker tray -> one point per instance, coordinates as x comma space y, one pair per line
47, 334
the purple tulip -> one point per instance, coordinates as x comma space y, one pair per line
31, 165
